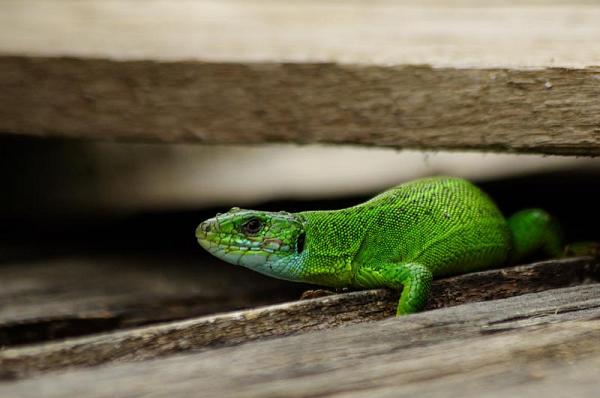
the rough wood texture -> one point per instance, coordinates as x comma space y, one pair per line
553, 111
288, 318
544, 342
62, 297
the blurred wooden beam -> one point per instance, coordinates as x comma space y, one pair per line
440, 33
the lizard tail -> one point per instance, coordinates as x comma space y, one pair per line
534, 232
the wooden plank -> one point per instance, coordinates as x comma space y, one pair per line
288, 318
44, 300
441, 33
441, 75
552, 111
535, 342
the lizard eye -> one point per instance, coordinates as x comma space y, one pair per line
252, 226
300, 243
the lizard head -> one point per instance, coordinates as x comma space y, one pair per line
271, 243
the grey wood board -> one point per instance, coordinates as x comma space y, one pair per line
288, 318
537, 342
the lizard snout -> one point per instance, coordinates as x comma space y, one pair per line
204, 229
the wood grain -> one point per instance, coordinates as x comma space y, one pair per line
288, 318
551, 111
537, 342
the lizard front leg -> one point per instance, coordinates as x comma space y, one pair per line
414, 279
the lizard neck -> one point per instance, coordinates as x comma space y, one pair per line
333, 238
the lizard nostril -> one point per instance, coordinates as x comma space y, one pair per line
203, 229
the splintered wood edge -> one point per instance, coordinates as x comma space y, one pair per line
547, 110
288, 318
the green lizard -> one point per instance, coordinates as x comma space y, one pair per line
401, 238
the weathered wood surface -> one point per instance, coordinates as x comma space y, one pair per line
537, 343
289, 318
553, 111
44, 300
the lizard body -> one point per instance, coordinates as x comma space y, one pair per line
401, 238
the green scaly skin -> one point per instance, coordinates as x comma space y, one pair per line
400, 239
